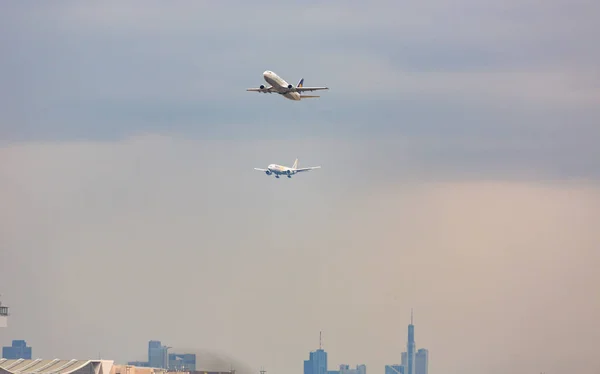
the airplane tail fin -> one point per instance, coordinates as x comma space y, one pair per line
300, 84
295, 164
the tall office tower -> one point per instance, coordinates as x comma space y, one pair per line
404, 359
422, 361
410, 347
157, 355
19, 350
317, 363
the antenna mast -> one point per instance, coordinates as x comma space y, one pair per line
320, 341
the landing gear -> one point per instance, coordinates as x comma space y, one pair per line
289, 176
277, 176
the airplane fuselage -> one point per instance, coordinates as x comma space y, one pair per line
282, 87
279, 170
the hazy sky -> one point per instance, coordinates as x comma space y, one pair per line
461, 168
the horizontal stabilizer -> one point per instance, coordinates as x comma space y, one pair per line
307, 96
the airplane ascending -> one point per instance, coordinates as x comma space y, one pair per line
280, 86
284, 170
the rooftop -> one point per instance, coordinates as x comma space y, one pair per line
55, 366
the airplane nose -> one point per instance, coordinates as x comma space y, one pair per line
266, 73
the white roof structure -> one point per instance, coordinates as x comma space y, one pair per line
55, 366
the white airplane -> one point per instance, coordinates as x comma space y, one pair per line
284, 170
280, 86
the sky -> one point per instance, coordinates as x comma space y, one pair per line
460, 177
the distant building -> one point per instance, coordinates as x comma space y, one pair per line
18, 350
410, 348
141, 364
394, 369
159, 358
157, 355
182, 362
422, 361
360, 369
317, 363
404, 361
130, 369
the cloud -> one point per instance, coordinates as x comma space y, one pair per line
89, 71
184, 242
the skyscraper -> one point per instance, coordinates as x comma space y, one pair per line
411, 362
317, 363
157, 355
410, 347
422, 361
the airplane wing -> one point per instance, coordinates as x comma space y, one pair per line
259, 169
302, 89
307, 169
263, 90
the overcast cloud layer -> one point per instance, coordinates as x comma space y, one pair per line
459, 145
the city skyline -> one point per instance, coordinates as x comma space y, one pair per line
415, 360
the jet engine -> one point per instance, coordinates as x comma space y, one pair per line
262, 86
290, 86
289, 172
268, 172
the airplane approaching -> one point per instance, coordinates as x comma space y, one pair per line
280, 86
284, 170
